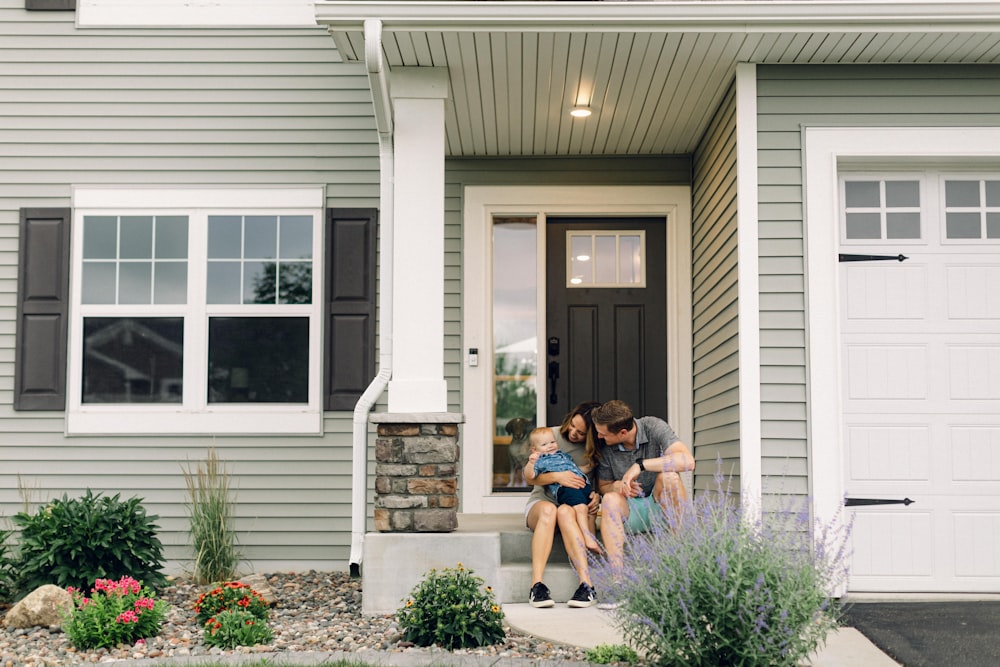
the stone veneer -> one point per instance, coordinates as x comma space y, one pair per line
416, 472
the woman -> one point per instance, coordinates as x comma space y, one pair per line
575, 437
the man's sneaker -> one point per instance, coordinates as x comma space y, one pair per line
584, 596
610, 605
539, 596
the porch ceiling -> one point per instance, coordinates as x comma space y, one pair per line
652, 72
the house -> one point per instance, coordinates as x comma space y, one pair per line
778, 227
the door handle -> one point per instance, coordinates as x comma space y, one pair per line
553, 376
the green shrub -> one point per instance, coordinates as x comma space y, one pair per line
72, 542
606, 654
236, 627
216, 557
715, 584
453, 609
233, 596
6, 567
117, 612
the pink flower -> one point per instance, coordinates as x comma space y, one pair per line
127, 617
144, 603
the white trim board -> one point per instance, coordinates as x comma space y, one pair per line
749, 282
480, 204
825, 150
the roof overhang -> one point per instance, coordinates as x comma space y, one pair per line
652, 71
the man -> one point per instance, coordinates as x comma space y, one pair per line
638, 468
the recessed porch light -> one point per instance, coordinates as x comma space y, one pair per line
580, 111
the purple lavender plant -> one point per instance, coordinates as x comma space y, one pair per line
715, 584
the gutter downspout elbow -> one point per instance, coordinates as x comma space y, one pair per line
379, 84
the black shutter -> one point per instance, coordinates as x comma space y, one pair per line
350, 305
42, 309
50, 5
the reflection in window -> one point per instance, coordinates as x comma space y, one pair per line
133, 359
606, 259
134, 259
515, 344
258, 360
260, 259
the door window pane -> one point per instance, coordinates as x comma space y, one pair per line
515, 348
862, 194
258, 360
133, 359
606, 258
961, 193
963, 225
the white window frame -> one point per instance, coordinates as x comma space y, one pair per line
195, 14
195, 415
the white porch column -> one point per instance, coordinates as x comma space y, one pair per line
418, 383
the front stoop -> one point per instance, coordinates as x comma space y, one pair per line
496, 547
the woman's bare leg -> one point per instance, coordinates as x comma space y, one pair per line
575, 542
542, 522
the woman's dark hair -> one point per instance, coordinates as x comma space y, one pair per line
583, 410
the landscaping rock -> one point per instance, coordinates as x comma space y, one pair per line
258, 582
43, 607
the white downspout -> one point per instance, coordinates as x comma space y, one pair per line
379, 84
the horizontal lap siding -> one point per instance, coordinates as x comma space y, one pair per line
178, 107
790, 98
715, 300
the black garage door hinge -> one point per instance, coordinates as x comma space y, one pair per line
871, 258
854, 502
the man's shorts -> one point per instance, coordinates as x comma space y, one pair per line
639, 510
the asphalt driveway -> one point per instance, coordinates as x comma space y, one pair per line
931, 634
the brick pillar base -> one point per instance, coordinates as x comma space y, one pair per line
416, 472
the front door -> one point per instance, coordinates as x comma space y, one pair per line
605, 314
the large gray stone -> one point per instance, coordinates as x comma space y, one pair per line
46, 606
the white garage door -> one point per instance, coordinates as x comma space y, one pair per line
921, 379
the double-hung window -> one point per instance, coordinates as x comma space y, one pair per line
196, 310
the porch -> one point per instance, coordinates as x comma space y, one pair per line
497, 547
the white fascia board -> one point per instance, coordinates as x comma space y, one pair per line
752, 16
195, 14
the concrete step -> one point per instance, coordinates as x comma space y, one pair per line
515, 547
514, 580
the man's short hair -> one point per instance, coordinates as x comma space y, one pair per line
614, 415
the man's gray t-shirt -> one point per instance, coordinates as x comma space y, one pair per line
652, 437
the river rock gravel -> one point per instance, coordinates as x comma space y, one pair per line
315, 612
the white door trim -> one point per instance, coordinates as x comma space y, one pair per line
480, 204
825, 149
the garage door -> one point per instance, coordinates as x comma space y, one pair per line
920, 341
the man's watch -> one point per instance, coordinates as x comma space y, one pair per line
642, 466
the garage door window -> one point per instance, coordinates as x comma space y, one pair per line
881, 209
972, 209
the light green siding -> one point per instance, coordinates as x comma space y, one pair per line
715, 324
789, 99
179, 107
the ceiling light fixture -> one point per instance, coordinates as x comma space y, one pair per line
580, 111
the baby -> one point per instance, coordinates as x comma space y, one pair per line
546, 457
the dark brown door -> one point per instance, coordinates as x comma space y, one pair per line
606, 342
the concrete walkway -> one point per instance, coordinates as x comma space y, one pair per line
592, 627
